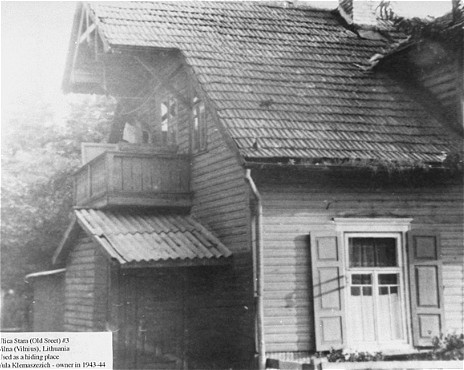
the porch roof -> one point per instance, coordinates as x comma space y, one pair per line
142, 238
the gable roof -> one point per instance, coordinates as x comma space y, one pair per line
285, 82
143, 238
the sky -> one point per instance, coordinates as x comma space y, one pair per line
34, 41
35, 36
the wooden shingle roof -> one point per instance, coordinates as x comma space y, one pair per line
286, 82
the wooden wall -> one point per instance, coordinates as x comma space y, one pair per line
296, 204
221, 308
86, 287
48, 303
221, 203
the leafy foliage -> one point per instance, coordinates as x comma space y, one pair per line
343, 355
448, 347
445, 347
419, 28
40, 150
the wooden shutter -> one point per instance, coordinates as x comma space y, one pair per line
425, 278
328, 284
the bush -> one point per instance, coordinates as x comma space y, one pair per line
347, 356
445, 347
449, 347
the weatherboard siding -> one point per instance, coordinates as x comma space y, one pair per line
294, 207
220, 203
220, 317
86, 286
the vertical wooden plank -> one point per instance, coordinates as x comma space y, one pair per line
131, 323
186, 177
164, 175
117, 173
146, 174
109, 171
137, 173
127, 180
155, 174
185, 317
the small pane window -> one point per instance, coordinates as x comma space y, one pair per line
372, 252
383, 290
361, 279
367, 291
388, 279
199, 126
164, 123
168, 111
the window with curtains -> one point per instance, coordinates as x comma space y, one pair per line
372, 252
377, 285
375, 298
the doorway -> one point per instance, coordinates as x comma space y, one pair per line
152, 316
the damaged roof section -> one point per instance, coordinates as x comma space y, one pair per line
286, 82
143, 238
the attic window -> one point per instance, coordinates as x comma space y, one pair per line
168, 110
199, 128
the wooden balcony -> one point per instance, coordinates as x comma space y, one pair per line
127, 178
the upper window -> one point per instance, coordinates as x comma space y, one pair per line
169, 121
199, 131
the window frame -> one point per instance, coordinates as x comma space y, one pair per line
375, 271
199, 141
170, 135
372, 228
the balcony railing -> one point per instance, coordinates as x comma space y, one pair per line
118, 178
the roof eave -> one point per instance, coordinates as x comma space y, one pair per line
66, 81
194, 262
327, 165
69, 236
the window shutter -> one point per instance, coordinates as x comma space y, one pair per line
425, 278
328, 284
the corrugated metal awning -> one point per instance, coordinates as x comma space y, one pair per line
140, 238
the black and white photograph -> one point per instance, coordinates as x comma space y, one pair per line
202, 185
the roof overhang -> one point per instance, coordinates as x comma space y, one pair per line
145, 240
84, 74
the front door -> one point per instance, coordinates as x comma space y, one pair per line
153, 320
375, 299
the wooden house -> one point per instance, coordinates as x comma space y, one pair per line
266, 193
